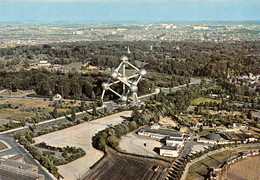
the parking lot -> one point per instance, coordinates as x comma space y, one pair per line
137, 144
81, 136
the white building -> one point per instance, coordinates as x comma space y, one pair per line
170, 151
175, 141
159, 133
155, 126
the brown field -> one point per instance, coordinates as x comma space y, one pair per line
247, 168
199, 169
117, 166
17, 114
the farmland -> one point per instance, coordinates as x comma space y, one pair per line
248, 168
128, 167
198, 169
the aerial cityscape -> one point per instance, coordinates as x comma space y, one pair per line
129, 90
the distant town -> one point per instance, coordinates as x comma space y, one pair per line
153, 101
13, 34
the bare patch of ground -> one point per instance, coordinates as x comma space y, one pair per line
81, 136
120, 166
247, 168
167, 122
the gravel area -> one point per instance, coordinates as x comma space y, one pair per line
81, 136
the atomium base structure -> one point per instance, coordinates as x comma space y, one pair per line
129, 84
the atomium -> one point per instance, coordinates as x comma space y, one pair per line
129, 84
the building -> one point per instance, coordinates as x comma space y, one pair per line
170, 151
174, 141
15, 168
212, 138
160, 133
155, 126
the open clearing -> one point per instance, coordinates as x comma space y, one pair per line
117, 166
134, 143
42, 107
202, 99
81, 136
248, 168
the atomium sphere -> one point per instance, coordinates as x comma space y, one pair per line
142, 72
114, 75
133, 88
123, 98
124, 58
105, 86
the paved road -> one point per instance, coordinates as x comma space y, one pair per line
17, 149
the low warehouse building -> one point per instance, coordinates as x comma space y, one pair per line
170, 151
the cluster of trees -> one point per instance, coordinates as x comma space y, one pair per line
110, 135
46, 162
189, 59
70, 85
69, 153
48, 84
48, 158
10, 125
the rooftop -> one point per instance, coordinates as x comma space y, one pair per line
169, 147
162, 132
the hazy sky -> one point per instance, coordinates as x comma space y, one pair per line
128, 10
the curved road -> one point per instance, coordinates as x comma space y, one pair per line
17, 149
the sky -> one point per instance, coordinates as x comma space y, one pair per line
128, 10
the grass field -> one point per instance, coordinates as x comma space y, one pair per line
76, 65
139, 63
202, 99
128, 72
16, 114
200, 168
2, 146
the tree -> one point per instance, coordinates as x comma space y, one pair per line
65, 154
112, 141
23, 123
82, 105
73, 114
94, 109
250, 114
55, 112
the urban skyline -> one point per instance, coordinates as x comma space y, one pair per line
123, 11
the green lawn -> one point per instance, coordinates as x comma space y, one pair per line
202, 99
139, 63
76, 65
205, 132
2, 146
